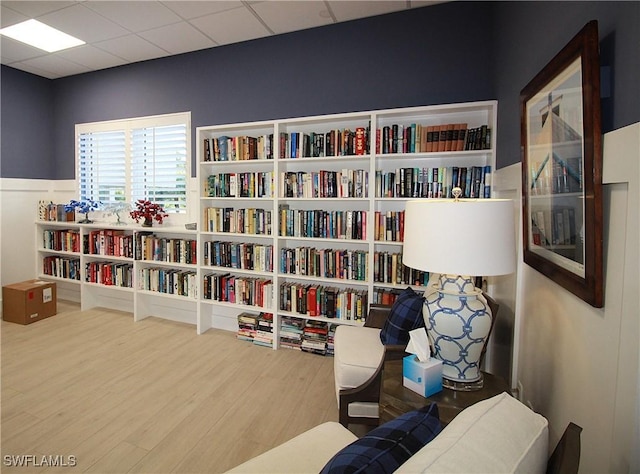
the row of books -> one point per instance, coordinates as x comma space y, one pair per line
230, 288
475, 182
388, 268
254, 221
169, 281
387, 296
238, 148
319, 223
336, 142
555, 226
325, 263
556, 176
324, 184
109, 274
257, 329
319, 300
150, 247
418, 138
48, 211
388, 226
395, 138
108, 242
64, 240
248, 184
245, 256
61, 267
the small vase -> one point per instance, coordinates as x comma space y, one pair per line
148, 222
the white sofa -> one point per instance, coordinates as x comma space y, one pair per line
499, 434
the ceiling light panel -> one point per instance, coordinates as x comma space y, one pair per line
39, 35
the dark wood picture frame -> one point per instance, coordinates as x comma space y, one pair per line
562, 169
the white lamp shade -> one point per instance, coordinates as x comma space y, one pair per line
474, 237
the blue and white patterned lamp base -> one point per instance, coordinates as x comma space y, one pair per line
458, 321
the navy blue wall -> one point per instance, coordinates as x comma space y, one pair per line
530, 34
452, 52
27, 126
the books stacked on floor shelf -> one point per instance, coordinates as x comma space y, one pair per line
330, 338
314, 337
264, 330
291, 330
247, 326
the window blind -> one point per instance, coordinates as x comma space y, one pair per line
143, 158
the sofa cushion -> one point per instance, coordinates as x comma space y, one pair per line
387, 447
499, 434
405, 316
307, 452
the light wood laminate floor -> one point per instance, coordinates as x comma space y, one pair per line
151, 396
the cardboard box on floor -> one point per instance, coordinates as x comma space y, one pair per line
28, 301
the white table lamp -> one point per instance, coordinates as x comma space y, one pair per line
459, 239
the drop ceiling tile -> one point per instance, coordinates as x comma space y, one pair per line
132, 48
286, 16
83, 23
135, 16
9, 17
35, 9
194, 9
350, 9
13, 50
56, 65
178, 38
34, 70
91, 57
231, 26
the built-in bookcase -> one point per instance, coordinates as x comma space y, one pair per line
302, 218
319, 202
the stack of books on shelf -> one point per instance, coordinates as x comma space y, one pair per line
330, 339
238, 290
264, 330
48, 211
326, 263
65, 240
108, 242
291, 330
247, 326
110, 274
314, 337
61, 267
317, 300
169, 281
347, 183
388, 268
336, 142
248, 185
240, 221
245, 256
418, 138
238, 148
320, 223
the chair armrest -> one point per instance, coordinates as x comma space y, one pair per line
566, 456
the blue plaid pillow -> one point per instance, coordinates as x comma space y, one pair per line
405, 316
386, 448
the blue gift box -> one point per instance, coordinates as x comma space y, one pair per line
424, 378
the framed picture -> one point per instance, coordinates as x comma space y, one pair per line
562, 169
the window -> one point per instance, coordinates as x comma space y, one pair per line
140, 158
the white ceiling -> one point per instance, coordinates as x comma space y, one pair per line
122, 32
